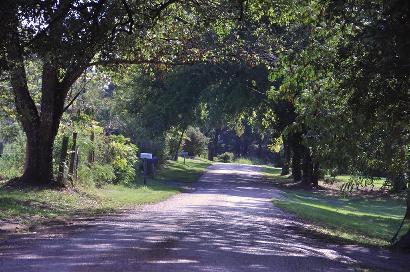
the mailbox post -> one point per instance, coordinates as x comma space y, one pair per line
145, 157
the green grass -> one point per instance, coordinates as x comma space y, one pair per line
359, 219
355, 219
23, 205
28, 206
272, 174
178, 171
249, 161
377, 182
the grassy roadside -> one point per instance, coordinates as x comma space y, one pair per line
178, 171
249, 161
362, 219
377, 182
272, 174
27, 207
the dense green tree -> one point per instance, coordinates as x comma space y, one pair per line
66, 37
195, 142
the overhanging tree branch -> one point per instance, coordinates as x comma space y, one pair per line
130, 61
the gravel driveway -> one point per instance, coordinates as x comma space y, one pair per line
227, 224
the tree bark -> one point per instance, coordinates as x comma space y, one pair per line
296, 167
40, 127
404, 242
38, 168
238, 146
179, 145
213, 145
398, 182
307, 168
286, 158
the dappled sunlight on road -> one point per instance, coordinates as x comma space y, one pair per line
227, 224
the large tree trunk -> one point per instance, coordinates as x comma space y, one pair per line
296, 167
286, 158
210, 151
307, 168
316, 174
404, 241
38, 168
398, 182
40, 125
238, 146
296, 146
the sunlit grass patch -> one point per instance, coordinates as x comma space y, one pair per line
26, 206
377, 182
249, 161
178, 171
371, 221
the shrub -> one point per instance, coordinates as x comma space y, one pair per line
226, 157
96, 174
123, 156
195, 142
12, 160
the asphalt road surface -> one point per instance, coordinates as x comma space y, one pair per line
228, 224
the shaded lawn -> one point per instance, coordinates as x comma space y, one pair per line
28, 205
377, 182
360, 219
22, 205
356, 219
272, 174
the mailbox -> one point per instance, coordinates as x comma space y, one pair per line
146, 156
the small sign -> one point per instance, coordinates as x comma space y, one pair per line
146, 156
184, 154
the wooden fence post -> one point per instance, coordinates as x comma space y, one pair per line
72, 154
63, 157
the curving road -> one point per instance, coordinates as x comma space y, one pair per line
227, 224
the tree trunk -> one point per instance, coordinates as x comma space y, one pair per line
213, 145
315, 174
398, 182
211, 151
404, 241
296, 167
39, 124
179, 145
307, 168
238, 146
38, 169
286, 158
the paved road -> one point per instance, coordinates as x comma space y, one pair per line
227, 224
